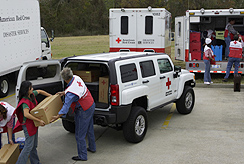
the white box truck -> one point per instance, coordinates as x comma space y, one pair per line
189, 37
140, 29
21, 38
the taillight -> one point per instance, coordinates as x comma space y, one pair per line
114, 94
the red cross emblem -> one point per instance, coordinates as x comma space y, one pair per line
118, 40
168, 83
2, 103
79, 84
104, 82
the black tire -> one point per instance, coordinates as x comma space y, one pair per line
69, 126
186, 102
4, 86
135, 128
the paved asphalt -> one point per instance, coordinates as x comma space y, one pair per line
212, 134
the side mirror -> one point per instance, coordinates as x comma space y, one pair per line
177, 70
43, 46
52, 36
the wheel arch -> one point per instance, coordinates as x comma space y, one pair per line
141, 101
190, 83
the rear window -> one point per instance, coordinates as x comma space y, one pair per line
128, 73
34, 73
149, 25
147, 68
124, 25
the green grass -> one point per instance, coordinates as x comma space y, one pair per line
81, 45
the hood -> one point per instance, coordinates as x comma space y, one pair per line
183, 71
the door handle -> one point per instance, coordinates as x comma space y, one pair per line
162, 77
146, 81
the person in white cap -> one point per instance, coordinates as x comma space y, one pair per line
208, 55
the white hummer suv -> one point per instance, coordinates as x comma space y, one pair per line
139, 82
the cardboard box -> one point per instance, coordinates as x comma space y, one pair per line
103, 89
9, 154
49, 107
88, 76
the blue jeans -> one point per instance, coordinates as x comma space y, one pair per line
227, 43
13, 136
236, 62
29, 149
83, 127
207, 77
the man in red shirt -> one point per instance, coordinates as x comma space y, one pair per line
235, 56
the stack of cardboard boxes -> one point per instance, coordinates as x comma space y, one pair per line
94, 76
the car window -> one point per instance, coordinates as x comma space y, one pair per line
44, 37
128, 72
33, 73
147, 68
164, 65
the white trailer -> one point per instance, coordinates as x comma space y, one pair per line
198, 21
140, 29
21, 38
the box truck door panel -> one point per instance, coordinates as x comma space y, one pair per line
123, 35
149, 37
43, 75
180, 38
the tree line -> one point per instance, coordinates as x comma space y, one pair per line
91, 17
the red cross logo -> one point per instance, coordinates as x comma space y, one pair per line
118, 40
168, 83
2, 103
79, 84
104, 82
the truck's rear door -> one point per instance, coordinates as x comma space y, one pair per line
180, 38
149, 31
122, 30
43, 75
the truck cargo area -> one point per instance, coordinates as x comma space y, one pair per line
96, 78
192, 29
200, 30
